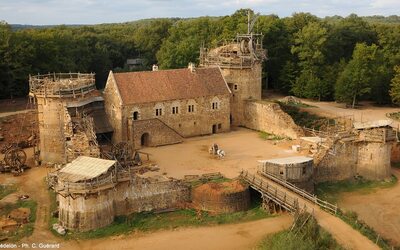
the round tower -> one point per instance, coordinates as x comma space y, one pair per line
54, 94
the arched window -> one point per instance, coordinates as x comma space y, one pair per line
191, 106
215, 103
159, 110
135, 114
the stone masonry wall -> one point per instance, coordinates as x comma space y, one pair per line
113, 108
248, 86
158, 133
340, 165
184, 123
50, 118
269, 117
374, 160
98, 210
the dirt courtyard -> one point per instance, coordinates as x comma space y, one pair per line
243, 149
378, 208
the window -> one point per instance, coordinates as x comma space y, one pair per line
175, 110
190, 108
304, 170
219, 126
135, 115
215, 105
159, 112
235, 87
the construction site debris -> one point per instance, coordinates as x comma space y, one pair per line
20, 215
290, 100
59, 229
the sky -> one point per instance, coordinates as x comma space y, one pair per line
49, 12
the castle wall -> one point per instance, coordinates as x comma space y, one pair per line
169, 128
113, 108
98, 210
248, 86
158, 133
371, 160
374, 160
50, 119
269, 117
340, 164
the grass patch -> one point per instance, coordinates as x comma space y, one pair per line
267, 136
26, 229
146, 222
352, 219
394, 115
53, 207
303, 118
308, 236
201, 181
6, 190
331, 191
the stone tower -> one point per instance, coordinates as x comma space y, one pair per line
241, 65
65, 133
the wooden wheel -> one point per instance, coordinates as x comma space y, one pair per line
15, 158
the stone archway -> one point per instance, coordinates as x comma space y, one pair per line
145, 140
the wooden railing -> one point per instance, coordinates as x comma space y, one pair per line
287, 185
280, 197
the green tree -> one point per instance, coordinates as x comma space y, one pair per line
309, 48
358, 75
395, 86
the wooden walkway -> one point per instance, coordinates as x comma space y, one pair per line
292, 199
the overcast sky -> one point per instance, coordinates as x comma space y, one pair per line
107, 11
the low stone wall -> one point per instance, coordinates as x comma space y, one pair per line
227, 197
339, 165
374, 160
345, 160
270, 118
88, 212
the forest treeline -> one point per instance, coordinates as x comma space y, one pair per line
334, 58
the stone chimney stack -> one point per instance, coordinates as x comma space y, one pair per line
192, 67
155, 67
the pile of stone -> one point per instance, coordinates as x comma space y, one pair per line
59, 229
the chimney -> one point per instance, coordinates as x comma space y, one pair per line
192, 67
155, 67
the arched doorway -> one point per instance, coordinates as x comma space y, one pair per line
145, 140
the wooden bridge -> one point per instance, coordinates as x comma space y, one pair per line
292, 198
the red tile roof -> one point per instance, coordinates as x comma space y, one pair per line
164, 85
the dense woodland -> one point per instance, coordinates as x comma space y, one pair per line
344, 59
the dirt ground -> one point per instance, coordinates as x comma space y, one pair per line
366, 112
243, 149
379, 209
233, 236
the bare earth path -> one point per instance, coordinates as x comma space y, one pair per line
365, 113
233, 236
344, 234
379, 209
229, 237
